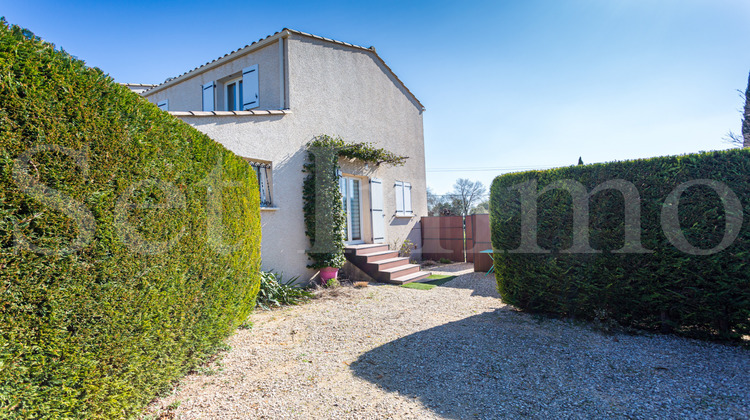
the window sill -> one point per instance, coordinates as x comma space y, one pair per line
269, 208
404, 216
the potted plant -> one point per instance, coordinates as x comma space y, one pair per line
329, 267
325, 220
324, 213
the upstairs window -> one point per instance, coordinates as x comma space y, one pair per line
234, 95
240, 93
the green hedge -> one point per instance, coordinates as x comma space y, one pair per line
667, 289
112, 285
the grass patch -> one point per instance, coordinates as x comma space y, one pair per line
434, 280
439, 279
418, 286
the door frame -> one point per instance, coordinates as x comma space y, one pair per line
347, 240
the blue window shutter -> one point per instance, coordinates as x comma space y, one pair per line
250, 88
208, 96
407, 198
399, 198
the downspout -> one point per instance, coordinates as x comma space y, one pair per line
282, 84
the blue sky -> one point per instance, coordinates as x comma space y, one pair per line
507, 85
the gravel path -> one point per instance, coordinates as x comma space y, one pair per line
454, 352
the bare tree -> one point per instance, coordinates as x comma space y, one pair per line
433, 203
744, 140
481, 208
468, 193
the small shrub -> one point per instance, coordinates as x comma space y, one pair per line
332, 283
275, 292
406, 248
445, 261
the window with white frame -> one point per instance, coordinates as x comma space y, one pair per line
403, 199
263, 172
233, 95
240, 92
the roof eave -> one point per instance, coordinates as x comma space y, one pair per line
263, 42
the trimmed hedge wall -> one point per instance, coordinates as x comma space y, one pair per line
130, 241
667, 289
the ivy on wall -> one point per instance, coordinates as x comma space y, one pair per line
325, 219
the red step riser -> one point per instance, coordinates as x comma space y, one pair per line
369, 250
392, 264
391, 276
362, 258
375, 258
416, 279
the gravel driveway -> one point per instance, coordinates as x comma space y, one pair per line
454, 352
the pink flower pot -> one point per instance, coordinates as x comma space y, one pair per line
328, 273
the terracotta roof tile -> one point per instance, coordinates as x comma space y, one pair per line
139, 84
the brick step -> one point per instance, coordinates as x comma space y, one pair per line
365, 249
389, 274
383, 265
409, 278
378, 256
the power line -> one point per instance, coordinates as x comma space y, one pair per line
499, 168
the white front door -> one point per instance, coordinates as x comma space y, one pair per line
351, 196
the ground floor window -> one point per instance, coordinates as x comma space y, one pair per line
403, 198
263, 172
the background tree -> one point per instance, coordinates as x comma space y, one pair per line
744, 139
434, 203
468, 193
445, 206
481, 208
453, 207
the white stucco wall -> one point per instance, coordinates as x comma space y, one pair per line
331, 89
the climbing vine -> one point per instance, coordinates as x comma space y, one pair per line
325, 220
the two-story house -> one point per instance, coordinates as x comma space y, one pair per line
266, 101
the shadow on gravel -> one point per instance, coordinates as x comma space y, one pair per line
478, 283
505, 363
